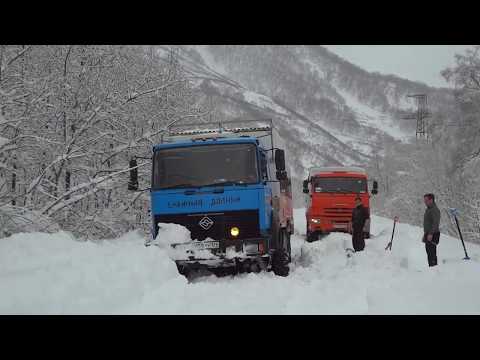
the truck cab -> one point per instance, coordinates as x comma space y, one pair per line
330, 199
231, 189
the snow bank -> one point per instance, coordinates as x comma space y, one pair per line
56, 274
169, 234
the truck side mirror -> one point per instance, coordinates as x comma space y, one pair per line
375, 188
133, 182
280, 160
305, 186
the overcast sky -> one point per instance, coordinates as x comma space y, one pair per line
414, 62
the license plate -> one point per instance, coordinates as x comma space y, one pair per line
204, 245
340, 226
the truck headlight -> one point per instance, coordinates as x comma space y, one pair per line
234, 231
316, 221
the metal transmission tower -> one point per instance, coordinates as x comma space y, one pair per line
420, 115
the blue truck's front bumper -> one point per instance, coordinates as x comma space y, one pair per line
230, 253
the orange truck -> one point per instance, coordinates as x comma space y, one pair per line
330, 199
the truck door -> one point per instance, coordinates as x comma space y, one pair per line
268, 191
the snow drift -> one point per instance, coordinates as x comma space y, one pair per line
57, 274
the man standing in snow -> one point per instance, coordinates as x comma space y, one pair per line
431, 224
359, 217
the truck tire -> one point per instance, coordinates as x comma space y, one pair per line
312, 236
282, 255
309, 237
366, 235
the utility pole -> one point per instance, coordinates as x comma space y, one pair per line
420, 115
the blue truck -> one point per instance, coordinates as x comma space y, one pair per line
230, 187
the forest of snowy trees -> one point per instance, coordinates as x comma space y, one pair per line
72, 119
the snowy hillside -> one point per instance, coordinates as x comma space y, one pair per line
329, 111
370, 117
55, 274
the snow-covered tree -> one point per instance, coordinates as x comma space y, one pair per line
72, 119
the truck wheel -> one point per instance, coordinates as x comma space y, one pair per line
182, 270
281, 257
312, 236
309, 237
366, 235
308, 234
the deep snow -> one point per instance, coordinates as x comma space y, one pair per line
56, 274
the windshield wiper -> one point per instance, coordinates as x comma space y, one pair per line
178, 186
227, 183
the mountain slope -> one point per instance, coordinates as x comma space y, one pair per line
329, 111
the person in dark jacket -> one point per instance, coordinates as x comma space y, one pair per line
359, 217
431, 224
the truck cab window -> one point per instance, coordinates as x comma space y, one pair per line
205, 165
339, 184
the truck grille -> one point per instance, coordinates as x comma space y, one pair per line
216, 225
343, 213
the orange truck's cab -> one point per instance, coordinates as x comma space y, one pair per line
330, 197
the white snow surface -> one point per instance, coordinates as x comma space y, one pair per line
209, 60
263, 101
56, 274
372, 117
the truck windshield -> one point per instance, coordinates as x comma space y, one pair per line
196, 166
339, 184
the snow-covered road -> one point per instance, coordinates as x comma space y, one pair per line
55, 274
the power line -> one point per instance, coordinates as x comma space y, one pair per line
461, 124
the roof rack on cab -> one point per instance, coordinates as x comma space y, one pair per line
264, 128
330, 169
